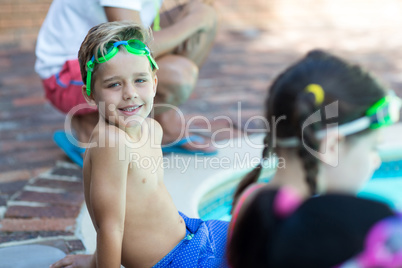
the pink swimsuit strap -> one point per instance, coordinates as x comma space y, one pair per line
242, 198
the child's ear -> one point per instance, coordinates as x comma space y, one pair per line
155, 83
90, 99
329, 148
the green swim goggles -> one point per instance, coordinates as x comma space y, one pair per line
384, 112
133, 46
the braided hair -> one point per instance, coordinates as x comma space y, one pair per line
353, 88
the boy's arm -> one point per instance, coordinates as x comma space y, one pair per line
108, 199
167, 39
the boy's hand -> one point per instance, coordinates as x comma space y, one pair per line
74, 261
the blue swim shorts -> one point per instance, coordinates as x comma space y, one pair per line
203, 246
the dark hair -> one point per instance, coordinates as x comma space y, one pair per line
102, 34
354, 89
249, 244
323, 232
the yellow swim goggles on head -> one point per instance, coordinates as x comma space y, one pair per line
133, 46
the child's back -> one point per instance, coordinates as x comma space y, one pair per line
152, 225
136, 221
332, 113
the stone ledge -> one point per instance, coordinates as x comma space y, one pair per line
15, 225
62, 199
69, 245
44, 210
11, 238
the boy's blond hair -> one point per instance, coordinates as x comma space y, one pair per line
109, 32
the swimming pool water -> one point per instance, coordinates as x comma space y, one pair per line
385, 185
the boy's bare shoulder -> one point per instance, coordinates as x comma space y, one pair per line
107, 142
107, 134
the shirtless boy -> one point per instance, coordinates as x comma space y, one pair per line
136, 221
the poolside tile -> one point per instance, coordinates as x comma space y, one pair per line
10, 188
30, 101
29, 236
42, 212
24, 145
47, 224
3, 200
37, 156
70, 172
58, 199
15, 175
68, 186
74, 245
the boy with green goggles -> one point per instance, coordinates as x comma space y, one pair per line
133, 46
127, 201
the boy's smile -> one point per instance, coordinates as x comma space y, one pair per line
130, 110
124, 89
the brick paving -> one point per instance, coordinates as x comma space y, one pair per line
41, 192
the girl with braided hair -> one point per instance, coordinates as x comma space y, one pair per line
332, 112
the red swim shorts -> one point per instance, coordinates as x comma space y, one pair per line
64, 90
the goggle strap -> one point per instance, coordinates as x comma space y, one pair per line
377, 106
375, 118
349, 128
111, 54
118, 43
135, 51
385, 111
153, 62
290, 142
108, 56
346, 129
89, 74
